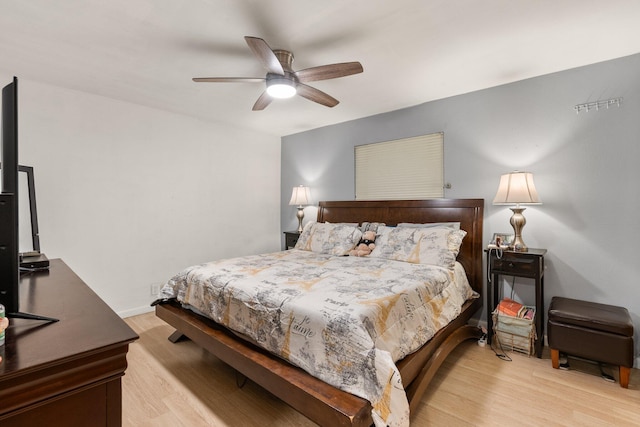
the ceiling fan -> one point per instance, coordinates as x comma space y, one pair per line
282, 81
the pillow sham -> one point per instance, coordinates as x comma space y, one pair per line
454, 225
434, 246
303, 239
326, 238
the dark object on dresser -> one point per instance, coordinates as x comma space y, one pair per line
34, 262
594, 331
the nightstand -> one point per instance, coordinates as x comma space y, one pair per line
528, 264
290, 239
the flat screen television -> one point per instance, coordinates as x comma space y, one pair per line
9, 224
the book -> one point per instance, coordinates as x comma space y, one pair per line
527, 313
510, 307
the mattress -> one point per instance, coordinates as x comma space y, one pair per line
345, 320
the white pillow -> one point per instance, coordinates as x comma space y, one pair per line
332, 239
434, 246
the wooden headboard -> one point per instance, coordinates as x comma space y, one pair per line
469, 212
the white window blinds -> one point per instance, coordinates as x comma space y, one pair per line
410, 168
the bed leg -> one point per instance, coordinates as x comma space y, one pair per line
177, 336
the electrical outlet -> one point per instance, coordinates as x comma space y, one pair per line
154, 289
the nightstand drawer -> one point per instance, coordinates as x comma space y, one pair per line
290, 239
520, 266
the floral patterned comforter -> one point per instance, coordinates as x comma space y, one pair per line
345, 320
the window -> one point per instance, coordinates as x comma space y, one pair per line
410, 168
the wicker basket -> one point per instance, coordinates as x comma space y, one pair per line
514, 333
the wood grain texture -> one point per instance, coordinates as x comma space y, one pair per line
183, 385
65, 373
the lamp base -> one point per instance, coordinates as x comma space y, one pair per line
300, 215
517, 222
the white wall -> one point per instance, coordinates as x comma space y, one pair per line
585, 167
128, 196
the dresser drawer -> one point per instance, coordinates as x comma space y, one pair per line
521, 266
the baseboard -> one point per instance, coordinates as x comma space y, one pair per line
135, 311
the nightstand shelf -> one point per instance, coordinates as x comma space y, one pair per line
528, 264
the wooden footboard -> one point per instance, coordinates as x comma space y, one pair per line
317, 400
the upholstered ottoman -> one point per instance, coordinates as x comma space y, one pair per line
593, 331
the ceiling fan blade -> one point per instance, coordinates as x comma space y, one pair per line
263, 102
265, 54
229, 79
332, 71
315, 95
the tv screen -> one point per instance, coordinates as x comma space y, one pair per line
9, 245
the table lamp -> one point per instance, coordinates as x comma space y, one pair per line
300, 196
517, 188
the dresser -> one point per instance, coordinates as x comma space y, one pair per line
66, 373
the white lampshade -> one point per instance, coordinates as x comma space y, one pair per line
516, 188
300, 196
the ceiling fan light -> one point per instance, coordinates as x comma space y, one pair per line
280, 88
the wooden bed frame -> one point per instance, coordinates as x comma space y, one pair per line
317, 400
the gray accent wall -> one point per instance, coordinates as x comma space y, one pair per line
585, 168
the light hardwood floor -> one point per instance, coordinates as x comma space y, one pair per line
182, 385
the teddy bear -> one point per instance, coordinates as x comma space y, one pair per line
366, 245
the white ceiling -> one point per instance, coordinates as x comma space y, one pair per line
412, 51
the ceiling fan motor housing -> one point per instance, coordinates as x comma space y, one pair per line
285, 58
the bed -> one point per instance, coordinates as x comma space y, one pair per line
318, 400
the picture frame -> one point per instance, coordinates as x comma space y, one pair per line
502, 240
